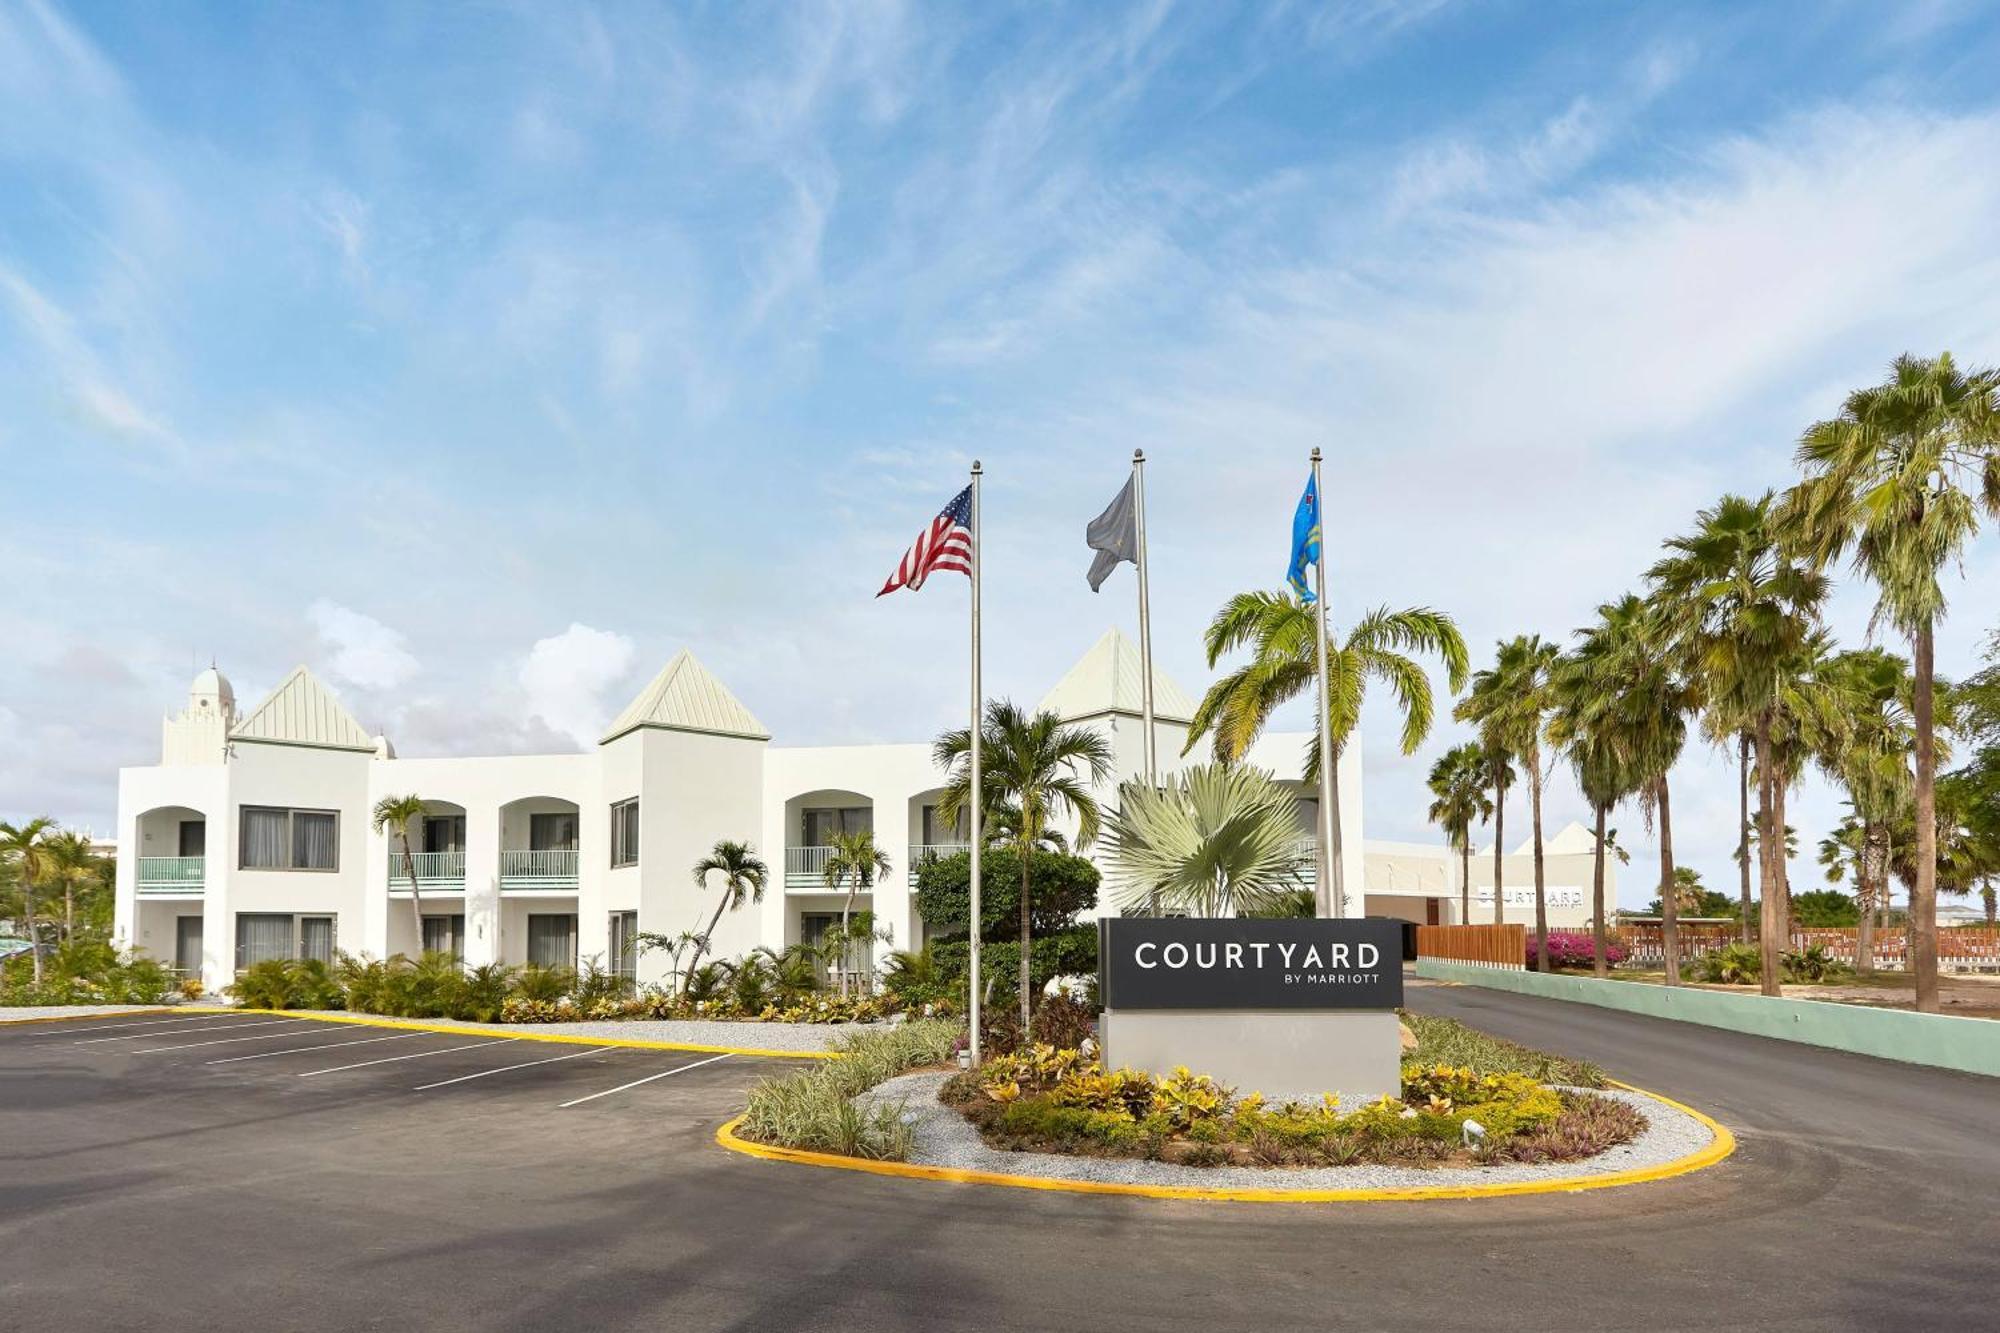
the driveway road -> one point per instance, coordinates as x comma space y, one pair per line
153, 1189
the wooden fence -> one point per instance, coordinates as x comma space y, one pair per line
1488, 946
1965, 949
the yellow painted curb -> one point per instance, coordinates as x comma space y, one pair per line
112, 1013
565, 1038
1721, 1146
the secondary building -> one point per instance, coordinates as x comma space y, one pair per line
252, 838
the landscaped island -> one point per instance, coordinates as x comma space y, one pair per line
1468, 1101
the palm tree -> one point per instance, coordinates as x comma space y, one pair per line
1030, 761
1580, 728
72, 862
1901, 477
1740, 610
743, 880
398, 812
25, 846
1870, 756
1281, 632
1458, 784
1499, 762
853, 859
1510, 701
1213, 840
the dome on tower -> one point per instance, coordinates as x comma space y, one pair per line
211, 689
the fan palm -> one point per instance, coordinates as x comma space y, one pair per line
1581, 729
1740, 610
1510, 702
398, 812
1458, 788
24, 848
1901, 478
1041, 766
1870, 756
1213, 840
743, 880
852, 859
1281, 633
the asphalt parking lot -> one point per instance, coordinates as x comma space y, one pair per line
254, 1173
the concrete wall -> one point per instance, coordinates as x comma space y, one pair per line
1947, 1042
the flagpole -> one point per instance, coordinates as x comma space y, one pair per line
1145, 615
1332, 899
978, 835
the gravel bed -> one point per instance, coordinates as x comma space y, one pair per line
18, 1012
946, 1138
695, 1032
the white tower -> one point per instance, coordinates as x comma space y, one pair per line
200, 734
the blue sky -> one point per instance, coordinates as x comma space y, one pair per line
482, 356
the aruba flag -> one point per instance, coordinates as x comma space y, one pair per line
1305, 541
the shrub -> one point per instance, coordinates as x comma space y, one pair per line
543, 984
1814, 964
1575, 948
86, 971
1446, 1041
1733, 964
815, 1109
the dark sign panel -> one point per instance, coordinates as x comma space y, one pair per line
1184, 963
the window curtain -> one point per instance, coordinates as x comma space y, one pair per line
625, 833
552, 939
261, 936
264, 833
445, 934
312, 841
316, 938
552, 833
444, 833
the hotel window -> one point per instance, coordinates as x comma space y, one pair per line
552, 833
937, 832
445, 934
552, 939
625, 833
444, 833
625, 944
262, 936
817, 826
276, 839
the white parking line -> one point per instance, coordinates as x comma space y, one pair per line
679, 1069
205, 1027
486, 1073
67, 1031
392, 1059
323, 1046
219, 1041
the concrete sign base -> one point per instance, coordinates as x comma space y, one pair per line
1285, 1054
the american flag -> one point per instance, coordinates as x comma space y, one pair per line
946, 543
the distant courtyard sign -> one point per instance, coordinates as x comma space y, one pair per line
1243, 963
1289, 1008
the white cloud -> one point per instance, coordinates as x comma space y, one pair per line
365, 652
565, 678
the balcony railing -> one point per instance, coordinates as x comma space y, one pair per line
805, 867
921, 852
537, 872
437, 872
171, 874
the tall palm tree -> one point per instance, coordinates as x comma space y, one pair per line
1901, 478
1584, 730
1044, 768
72, 862
852, 859
398, 812
743, 881
1871, 756
25, 848
1740, 610
1511, 700
1213, 840
1282, 634
1458, 788
1499, 766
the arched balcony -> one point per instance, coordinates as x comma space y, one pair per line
437, 850
930, 834
811, 820
538, 845
171, 847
